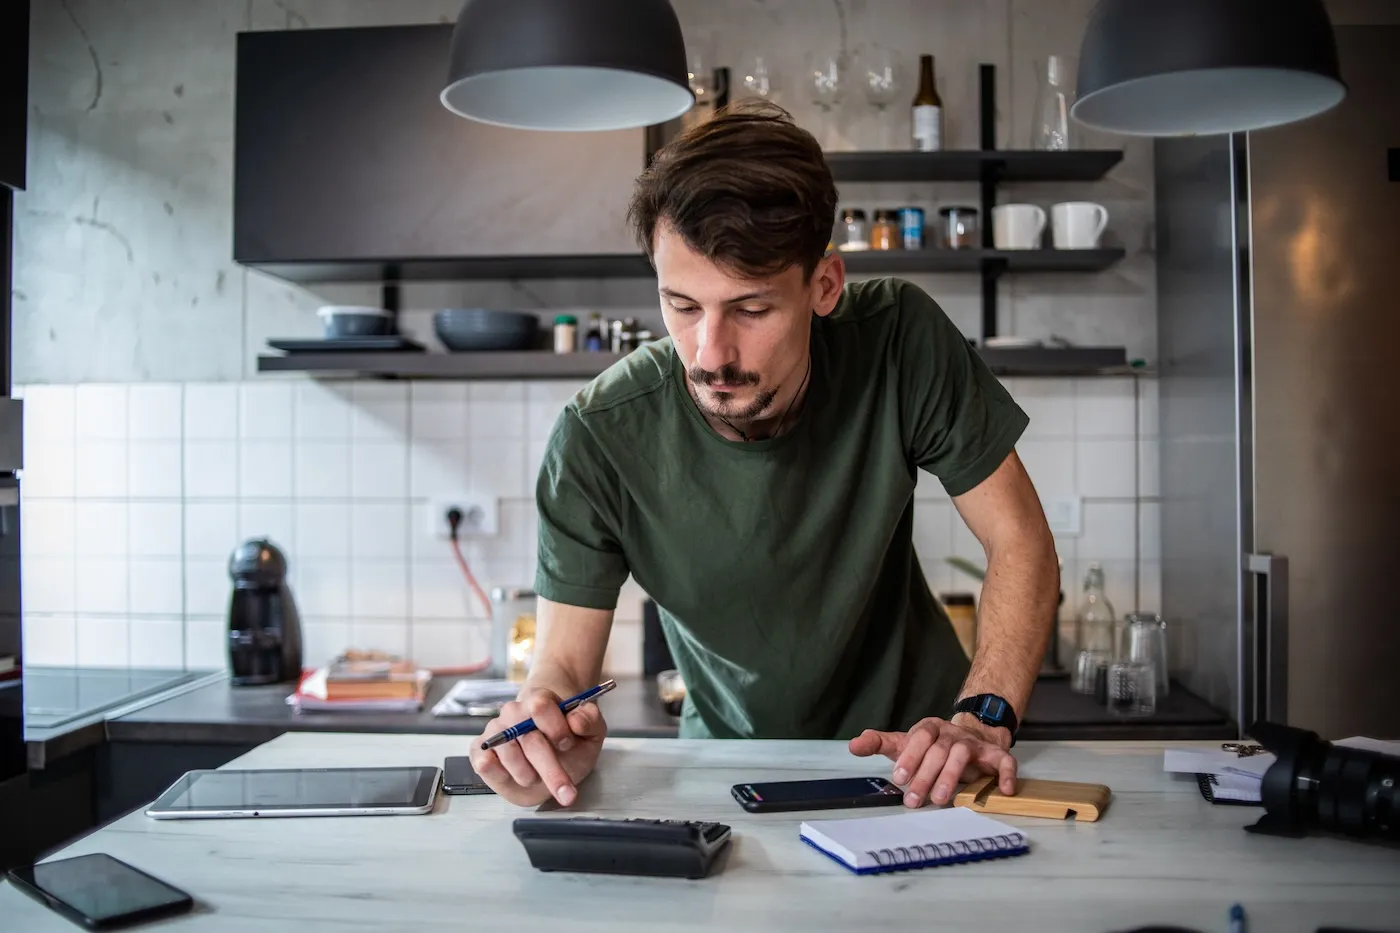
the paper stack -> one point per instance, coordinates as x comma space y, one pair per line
1227, 776
360, 684
481, 698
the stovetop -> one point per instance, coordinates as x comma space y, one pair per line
54, 696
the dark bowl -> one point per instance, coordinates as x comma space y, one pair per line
478, 329
349, 323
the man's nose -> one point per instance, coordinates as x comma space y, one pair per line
714, 346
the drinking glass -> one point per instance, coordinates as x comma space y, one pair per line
882, 79
1145, 640
1132, 689
700, 67
758, 82
1050, 129
826, 83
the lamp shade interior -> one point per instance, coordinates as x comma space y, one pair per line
567, 97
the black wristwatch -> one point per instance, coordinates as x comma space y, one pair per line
991, 709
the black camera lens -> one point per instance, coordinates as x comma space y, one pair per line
1317, 785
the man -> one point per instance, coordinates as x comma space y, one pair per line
755, 473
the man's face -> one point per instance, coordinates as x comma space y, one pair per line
739, 339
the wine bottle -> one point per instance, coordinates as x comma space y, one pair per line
928, 110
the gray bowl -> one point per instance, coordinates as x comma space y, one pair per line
350, 323
479, 329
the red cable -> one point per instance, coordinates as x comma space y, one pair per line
486, 604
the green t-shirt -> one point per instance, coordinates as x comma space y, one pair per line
784, 569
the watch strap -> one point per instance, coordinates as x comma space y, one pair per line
991, 710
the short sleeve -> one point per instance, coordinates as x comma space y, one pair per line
581, 562
959, 423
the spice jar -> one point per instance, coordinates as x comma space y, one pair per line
565, 333
885, 232
857, 237
960, 229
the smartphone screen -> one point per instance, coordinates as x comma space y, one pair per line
100, 888
459, 777
824, 789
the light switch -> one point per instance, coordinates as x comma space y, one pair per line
1064, 514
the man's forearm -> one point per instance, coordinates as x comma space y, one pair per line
1020, 596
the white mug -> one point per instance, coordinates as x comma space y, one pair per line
1078, 224
1017, 226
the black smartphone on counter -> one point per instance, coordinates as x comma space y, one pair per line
820, 794
100, 892
459, 777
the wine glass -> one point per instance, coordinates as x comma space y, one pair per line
757, 80
826, 81
882, 79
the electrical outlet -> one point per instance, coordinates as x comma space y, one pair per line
1064, 515
480, 516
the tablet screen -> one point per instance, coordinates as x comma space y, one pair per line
300, 789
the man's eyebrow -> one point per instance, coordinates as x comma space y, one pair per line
737, 299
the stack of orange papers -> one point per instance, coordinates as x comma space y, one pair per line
362, 686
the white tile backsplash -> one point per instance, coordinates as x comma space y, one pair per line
47, 584
101, 469
211, 411
211, 469
50, 640
265, 411
50, 526
102, 412
101, 530
1106, 469
157, 586
50, 466
101, 586
104, 641
154, 469
339, 475
211, 529
379, 470
265, 469
378, 530
321, 470
155, 412
1104, 408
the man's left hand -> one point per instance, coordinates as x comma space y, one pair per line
938, 754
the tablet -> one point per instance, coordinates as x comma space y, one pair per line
298, 792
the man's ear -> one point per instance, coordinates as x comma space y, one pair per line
828, 279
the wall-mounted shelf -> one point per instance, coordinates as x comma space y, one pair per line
1028, 361
993, 165
893, 262
459, 268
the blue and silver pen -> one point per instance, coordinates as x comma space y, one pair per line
528, 726
1237, 924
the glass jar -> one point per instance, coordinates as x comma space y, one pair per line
885, 232
512, 632
960, 229
856, 236
565, 333
1145, 642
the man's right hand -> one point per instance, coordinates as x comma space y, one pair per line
549, 762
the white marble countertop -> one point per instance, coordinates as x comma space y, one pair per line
1161, 855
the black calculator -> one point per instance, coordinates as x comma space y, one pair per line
659, 848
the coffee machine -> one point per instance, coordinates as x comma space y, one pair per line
264, 634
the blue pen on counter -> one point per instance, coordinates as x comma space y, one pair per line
1237, 924
528, 726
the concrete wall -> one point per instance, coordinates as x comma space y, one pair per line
153, 446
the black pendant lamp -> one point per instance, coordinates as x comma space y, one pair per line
568, 64
1189, 67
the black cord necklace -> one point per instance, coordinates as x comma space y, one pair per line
779, 429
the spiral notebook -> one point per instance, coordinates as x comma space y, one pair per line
914, 840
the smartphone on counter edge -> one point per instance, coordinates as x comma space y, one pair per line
459, 777
100, 892
819, 794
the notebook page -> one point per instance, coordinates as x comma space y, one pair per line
853, 840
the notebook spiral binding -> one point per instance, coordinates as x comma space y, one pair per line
964, 850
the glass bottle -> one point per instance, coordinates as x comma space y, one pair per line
927, 110
1094, 636
1050, 131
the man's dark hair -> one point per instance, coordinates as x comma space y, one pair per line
748, 188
